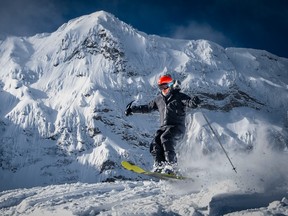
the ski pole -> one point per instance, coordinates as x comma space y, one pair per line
234, 168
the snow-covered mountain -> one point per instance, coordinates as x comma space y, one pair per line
63, 97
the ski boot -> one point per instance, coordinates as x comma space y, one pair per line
157, 167
170, 168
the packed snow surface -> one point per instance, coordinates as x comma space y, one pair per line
140, 198
64, 132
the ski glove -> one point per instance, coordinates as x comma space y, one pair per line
128, 110
196, 101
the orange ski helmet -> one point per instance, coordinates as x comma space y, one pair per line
165, 82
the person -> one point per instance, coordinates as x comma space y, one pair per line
171, 104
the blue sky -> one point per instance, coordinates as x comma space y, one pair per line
258, 24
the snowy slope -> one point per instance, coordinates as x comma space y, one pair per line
64, 94
135, 198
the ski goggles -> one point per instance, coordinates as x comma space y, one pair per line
165, 85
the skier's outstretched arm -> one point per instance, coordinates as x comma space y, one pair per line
192, 102
141, 108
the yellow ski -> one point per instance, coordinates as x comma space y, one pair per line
134, 168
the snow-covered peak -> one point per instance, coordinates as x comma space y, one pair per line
86, 23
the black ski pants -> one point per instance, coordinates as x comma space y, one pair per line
162, 147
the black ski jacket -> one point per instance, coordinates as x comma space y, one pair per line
172, 108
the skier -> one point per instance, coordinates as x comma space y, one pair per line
171, 104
